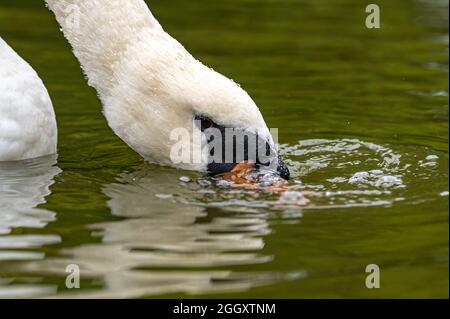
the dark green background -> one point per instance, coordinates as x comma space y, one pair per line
316, 72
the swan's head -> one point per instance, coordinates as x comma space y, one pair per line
232, 127
174, 110
152, 89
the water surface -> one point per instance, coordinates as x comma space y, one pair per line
363, 122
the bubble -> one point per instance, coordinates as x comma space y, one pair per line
336, 173
432, 158
164, 196
223, 183
184, 179
352, 172
265, 184
359, 178
388, 181
204, 182
292, 196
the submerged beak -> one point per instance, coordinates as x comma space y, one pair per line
218, 169
240, 140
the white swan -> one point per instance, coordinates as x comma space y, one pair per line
149, 84
27, 119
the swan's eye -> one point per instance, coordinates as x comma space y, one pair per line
205, 123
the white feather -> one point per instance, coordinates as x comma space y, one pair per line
148, 83
27, 119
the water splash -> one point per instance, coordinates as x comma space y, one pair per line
349, 172
331, 173
179, 232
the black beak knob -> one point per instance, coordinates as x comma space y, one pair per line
283, 170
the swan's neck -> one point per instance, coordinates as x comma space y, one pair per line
100, 32
7, 53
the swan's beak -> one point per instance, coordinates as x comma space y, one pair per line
283, 170
215, 168
239, 141
223, 168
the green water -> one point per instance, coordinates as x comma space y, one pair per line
346, 100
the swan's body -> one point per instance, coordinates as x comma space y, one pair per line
27, 119
148, 83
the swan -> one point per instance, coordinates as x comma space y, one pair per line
151, 86
27, 119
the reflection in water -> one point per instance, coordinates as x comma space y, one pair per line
170, 236
163, 246
23, 186
174, 236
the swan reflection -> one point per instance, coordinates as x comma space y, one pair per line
162, 246
24, 185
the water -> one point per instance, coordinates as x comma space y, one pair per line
363, 122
